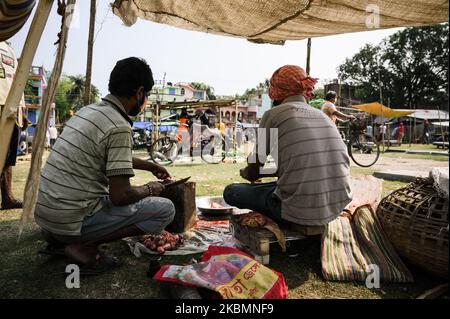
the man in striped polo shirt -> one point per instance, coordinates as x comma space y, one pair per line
85, 197
311, 159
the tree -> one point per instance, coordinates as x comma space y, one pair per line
75, 95
410, 67
319, 93
418, 65
69, 95
205, 87
363, 70
258, 90
62, 105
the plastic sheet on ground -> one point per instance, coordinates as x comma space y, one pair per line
440, 178
197, 240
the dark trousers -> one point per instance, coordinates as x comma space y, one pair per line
257, 197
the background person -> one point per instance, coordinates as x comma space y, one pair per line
329, 108
8, 65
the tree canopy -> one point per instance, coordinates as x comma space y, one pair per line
69, 95
205, 87
410, 67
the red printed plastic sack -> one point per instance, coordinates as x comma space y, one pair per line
231, 273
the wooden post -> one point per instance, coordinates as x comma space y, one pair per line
7, 120
235, 130
440, 126
410, 133
308, 56
157, 119
32, 184
87, 83
381, 102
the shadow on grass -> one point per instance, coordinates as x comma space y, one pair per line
25, 274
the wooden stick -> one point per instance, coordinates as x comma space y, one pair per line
7, 119
88, 80
434, 292
308, 56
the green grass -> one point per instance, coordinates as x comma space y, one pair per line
434, 157
26, 275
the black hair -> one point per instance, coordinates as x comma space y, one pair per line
128, 75
276, 103
331, 95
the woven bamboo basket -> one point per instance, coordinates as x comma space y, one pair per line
415, 219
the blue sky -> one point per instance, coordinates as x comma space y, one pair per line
228, 64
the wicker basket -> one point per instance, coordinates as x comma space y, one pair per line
415, 219
359, 124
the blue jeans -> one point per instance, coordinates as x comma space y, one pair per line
257, 197
150, 214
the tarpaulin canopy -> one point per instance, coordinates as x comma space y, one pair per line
13, 15
429, 114
275, 21
445, 124
378, 109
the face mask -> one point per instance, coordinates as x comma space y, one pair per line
137, 108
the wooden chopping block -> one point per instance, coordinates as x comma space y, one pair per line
183, 197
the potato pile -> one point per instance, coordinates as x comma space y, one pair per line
162, 242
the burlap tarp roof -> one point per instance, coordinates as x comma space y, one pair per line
274, 21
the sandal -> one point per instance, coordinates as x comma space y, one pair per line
101, 264
15, 204
51, 250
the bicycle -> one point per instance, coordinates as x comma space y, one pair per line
362, 148
165, 150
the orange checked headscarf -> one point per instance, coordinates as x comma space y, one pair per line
291, 80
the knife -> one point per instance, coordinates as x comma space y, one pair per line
178, 182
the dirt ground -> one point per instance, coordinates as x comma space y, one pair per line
401, 162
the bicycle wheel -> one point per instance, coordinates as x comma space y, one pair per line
164, 151
364, 150
213, 149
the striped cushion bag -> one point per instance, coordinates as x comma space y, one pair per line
352, 244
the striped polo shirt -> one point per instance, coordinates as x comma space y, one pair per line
94, 145
312, 161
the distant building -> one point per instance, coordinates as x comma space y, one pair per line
167, 92
38, 78
346, 93
246, 112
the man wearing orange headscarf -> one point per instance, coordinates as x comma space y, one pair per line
312, 164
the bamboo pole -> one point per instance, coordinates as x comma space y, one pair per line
410, 133
235, 131
157, 120
381, 102
7, 119
87, 83
32, 184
